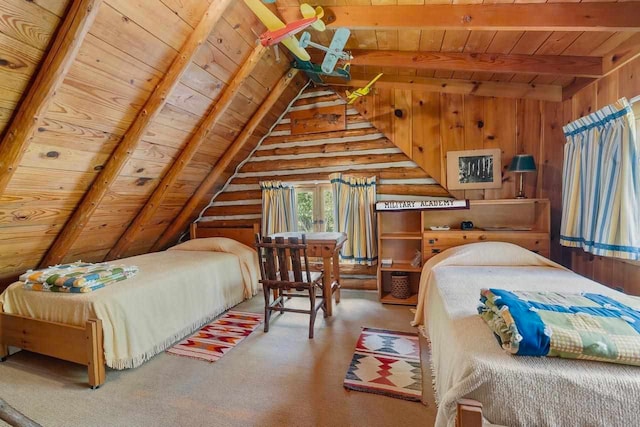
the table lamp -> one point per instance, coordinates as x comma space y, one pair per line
522, 163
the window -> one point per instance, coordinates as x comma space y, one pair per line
315, 208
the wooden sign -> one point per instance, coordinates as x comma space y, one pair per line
407, 205
314, 120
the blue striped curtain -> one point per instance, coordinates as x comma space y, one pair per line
354, 201
601, 183
279, 213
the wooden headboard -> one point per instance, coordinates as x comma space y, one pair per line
245, 234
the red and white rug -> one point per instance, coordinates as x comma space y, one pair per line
388, 363
214, 340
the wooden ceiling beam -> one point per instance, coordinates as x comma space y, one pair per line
582, 66
621, 16
52, 73
190, 149
578, 84
465, 87
125, 149
186, 215
622, 54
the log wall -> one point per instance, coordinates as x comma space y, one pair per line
359, 149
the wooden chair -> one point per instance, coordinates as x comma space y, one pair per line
283, 272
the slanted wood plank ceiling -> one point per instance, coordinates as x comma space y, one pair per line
574, 43
127, 51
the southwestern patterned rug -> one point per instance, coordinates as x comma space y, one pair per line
387, 363
214, 340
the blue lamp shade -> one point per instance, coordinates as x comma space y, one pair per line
522, 163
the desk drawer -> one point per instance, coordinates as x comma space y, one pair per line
434, 243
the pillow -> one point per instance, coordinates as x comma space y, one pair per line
215, 244
491, 254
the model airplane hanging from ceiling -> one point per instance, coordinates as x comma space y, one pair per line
363, 91
315, 72
279, 32
334, 52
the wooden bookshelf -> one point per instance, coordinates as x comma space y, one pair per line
525, 222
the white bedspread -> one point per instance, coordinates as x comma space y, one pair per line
175, 292
514, 390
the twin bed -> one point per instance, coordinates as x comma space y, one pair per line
469, 366
125, 324
476, 382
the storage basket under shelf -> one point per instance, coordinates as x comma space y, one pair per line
400, 286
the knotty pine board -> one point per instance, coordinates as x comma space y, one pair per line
452, 122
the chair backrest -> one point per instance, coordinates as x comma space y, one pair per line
277, 256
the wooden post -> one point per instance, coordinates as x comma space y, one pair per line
210, 181
4, 348
190, 149
95, 353
52, 73
123, 152
15, 418
469, 413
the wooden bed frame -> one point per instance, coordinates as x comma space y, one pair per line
244, 235
83, 345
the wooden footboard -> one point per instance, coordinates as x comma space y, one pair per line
76, 344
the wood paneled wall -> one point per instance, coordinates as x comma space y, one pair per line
426, 125
307, 158
127, 51
430, 124
625, 82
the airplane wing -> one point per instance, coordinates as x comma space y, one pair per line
372, 82
309, 12
292, 44
268, 18
338, 41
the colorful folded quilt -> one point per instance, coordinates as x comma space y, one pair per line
77, 277
575, 326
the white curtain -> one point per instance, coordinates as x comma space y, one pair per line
354, 201
278, 208
601, 183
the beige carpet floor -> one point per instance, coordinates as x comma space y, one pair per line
276, 379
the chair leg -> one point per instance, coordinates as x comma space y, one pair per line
312, 298
267, 312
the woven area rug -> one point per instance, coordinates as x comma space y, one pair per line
214, 340
388, 363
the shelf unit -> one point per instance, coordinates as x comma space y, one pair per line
399, 237
525, 222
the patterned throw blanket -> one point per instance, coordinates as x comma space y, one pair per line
576, 326
77, 277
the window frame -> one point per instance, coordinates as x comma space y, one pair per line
317, 211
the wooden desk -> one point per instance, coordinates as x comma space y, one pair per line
326, 246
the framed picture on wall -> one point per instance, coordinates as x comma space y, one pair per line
474, 169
